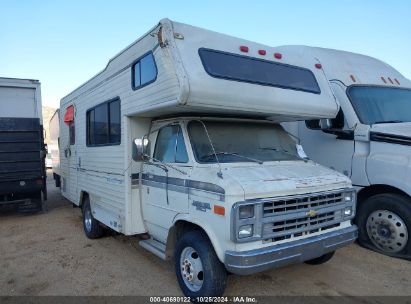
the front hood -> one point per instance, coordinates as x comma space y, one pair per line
400, 129
286, 178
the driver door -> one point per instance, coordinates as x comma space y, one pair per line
164, 190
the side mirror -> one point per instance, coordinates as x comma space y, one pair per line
325, 124
141, 149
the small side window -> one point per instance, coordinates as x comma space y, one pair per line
144, 71
72, 133
115, 121
170, 147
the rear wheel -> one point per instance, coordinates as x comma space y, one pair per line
322, 259
92, 227
384, 223
40, 202
199, 271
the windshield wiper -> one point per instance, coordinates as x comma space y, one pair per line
233, 153
281, 151
387, 121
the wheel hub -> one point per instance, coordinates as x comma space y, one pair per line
191, 269
387, 231
384, 231
87, 219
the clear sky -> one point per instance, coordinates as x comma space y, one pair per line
64, 43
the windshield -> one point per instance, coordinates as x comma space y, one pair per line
381, 104
241, 142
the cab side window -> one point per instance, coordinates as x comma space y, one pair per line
170, 147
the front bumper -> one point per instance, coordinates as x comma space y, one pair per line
252, 261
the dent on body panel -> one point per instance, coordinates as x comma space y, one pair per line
390, 165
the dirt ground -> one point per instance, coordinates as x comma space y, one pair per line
48, 254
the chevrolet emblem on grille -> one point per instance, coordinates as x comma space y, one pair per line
311, 213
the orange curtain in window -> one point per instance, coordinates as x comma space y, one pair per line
69, 115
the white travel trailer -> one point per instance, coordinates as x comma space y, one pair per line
369, 141
53, 147
178, 139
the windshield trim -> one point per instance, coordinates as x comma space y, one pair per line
348, 89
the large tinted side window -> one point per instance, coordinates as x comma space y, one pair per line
100, 125
104, 124
258, 71
170, 147
90, 127
144, 71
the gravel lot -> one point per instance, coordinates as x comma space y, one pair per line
48, 254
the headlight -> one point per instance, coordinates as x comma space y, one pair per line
347, 211
246, 211
245, 231
349, 196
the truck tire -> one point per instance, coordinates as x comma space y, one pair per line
384, 224
39, 201
321, 260
92, 227
199, 271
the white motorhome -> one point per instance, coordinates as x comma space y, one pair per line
54, 149
369, 141
178, 139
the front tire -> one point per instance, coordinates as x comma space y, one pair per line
384, 224
92, 227
199, 271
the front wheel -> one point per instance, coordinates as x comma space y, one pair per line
92, 227
384, 223
199, 271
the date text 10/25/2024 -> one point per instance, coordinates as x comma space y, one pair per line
235, 299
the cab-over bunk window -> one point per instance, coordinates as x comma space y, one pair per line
143, 71
104, 124
236, 67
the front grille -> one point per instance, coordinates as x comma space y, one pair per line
290, 219
288, 236
301, 226
284, 218
301, 204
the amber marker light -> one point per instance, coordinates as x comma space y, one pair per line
220, 210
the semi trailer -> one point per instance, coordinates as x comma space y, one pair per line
22, 148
